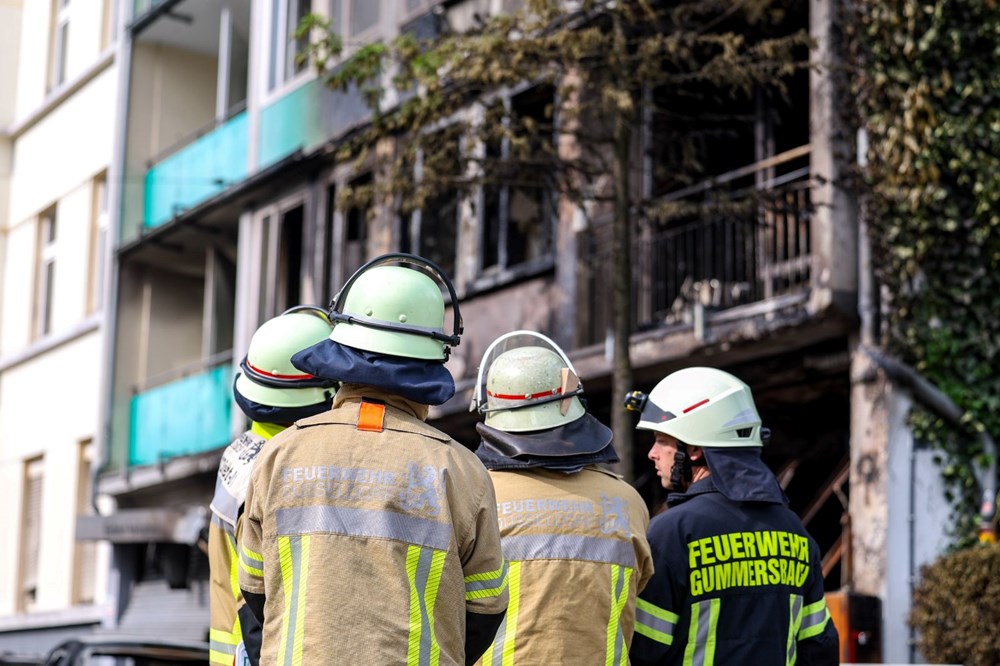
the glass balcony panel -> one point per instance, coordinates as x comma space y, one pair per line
184, 417
197, 172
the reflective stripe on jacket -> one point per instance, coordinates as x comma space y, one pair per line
577, 553
225, 597
370, 534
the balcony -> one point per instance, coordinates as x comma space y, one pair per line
216, 159
185, 416
734, 245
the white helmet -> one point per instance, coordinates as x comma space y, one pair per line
529, 384
700, 407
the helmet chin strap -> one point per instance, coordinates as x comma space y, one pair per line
682, 472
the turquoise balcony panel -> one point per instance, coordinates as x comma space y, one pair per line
187, 416
305, 118
198, 171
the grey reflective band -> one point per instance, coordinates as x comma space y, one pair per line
794, 622
816, 616
219, 646
654, 622
363, 523
250, 561
493, 584
424, 572
568, 547
700, 650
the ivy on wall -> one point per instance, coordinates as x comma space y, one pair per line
927, 83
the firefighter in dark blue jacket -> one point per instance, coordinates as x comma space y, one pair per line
737, 577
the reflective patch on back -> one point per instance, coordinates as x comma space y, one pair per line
371, 416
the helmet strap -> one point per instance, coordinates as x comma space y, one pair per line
681, 473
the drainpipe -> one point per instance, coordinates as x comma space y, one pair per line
118, 593
933, 398
116, 183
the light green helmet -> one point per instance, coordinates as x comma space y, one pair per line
390, 309
530, 384
700, 407
268, 376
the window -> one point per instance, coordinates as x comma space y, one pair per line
517, 218
85, 556
60, 43
356, 223
329, 283
289, 277
284, 63
352, 18
433, 231
45, 272
31, 519
98, 240
364, 15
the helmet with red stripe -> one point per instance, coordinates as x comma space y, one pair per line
529, 384
700, 407
268, 376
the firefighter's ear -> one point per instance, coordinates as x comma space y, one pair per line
695, 453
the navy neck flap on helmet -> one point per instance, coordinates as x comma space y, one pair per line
427, 382
255, 411
566, 448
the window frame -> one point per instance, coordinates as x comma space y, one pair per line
33, 470
45, 272
59, 45
100, 222
488, 277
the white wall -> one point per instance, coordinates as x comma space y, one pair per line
86, 21
49, 386
40, 416
914, 490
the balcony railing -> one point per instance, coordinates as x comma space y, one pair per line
185, 416
729, 248
199, 170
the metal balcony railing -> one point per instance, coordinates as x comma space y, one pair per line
724, 247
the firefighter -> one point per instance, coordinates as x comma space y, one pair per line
572, 531
370, 536
272, 394
738, 579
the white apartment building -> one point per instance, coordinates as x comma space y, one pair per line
58, 83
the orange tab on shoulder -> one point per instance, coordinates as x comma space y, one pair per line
371, 416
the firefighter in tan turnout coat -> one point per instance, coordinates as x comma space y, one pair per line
371, 537
272, 394
573, 532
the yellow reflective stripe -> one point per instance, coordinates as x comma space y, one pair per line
815, 617
486, 585
656, 611
514, 577
234, 567
221, 647
252, 563
700, 648
501, 651
265, 430
423, 572
615, 653
285, 560
293, 555
300, 601
216, 657
794, 621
